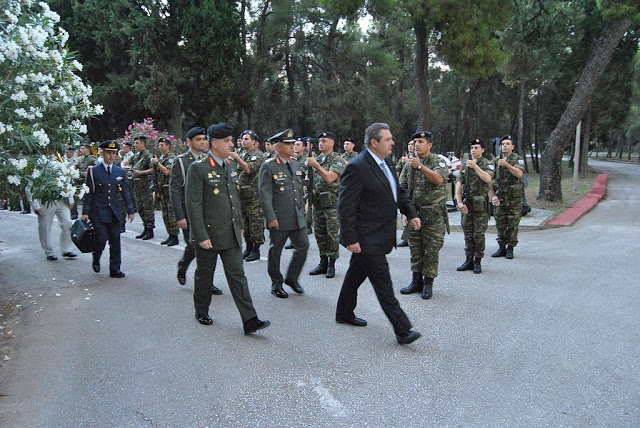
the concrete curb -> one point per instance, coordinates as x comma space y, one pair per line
569, 216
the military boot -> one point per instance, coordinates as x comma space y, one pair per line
309, 229
509, 252
166, 241
477, 267
427, 290
322, 267
144, 232
331, 267
415, 286
403, 243
247, 250
148, 235
467, 265
255, 254
502, 251
173, 240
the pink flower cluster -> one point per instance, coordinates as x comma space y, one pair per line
147, 129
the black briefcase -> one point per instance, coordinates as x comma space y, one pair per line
82, 234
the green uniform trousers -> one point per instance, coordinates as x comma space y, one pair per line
232, 263
253, 220
144, 202
508, 219
474, 226
326, 229
425, 243
168, 216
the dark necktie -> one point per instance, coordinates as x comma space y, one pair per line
289, 168
109, 170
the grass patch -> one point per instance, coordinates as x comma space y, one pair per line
569, 196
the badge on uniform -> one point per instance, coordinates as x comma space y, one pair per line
282, 188
118, 178
298, 172
233, 173
521, 161
170, 161
442, 164
210, 175
216, 191
254, 157
491, 167
275, 176
339, 163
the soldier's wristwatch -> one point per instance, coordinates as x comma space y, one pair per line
419, 167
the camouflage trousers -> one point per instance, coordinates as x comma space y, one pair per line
253, 220
325, 223
309, 214
425, 243
144, 202
508, 219
168, 216
474, 226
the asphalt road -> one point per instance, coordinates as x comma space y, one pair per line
549, 338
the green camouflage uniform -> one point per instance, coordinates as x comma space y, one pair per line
474, 224
144, 200
511, 194
83, 164
271, 155
305, 169
325, 206
162, 181
429, 200
249, 200
348, 156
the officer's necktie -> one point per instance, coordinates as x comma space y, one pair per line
109, 170
289, 168
392, 182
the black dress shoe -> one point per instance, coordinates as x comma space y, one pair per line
358, 322
69, 254
116, 274
406, 339
96, 266
204, 319
254, 325
280, 293
295, 286
289, 246
215, 290
182, 276
52, 258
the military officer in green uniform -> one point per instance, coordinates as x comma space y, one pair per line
509, 197
429, 198
142, 170
270, 150
327, 168
85, 160
250, 162
163, 166
215, 221
282, 199
472, 194
348, 145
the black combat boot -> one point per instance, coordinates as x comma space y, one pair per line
309, 229
144, 232
403, 243
331, 267
467, 265
148, 235
502, 251
509, 252
322, 267
427, 290
166, 241
173, 240
247, 250
416, 284
477, 267
255, 254
289, 246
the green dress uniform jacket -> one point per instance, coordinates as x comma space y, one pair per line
177, 181
281, 193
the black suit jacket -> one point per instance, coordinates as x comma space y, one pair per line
101, 201
366, 209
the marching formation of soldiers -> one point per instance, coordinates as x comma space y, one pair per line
222, 192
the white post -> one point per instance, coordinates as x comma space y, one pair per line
576, 157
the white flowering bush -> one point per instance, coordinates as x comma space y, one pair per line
45, 105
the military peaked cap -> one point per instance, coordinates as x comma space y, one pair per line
285, 136
110, 145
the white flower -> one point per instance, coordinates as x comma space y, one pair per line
12, 18
19, 164
82, 129
77, 65
19, 97
99, 109
21, 112
36, 173
21, 79
83, 191
64, 35
43, 138
11, 49
15, 180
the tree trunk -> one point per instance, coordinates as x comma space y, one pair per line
584, 154
520, 136
421, 66
551, 167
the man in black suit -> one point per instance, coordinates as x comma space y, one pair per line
367, 209
105, 181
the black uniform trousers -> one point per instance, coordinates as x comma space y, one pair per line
234, 272
108, 232
277, 239
376, 268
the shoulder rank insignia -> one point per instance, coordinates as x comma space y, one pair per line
442, 164
521, 161
212, 162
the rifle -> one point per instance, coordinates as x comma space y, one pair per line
465, 186
410, 186
499, 178
309, 177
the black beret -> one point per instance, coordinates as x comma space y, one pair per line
110, 145
127, 144
285, 136
70, 148
422, 134
476, 141
220, 130
87, 145
506, 137
251, 134
351, 140
326, 134
198, 130
164, 140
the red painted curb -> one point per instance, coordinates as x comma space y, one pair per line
569, 216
